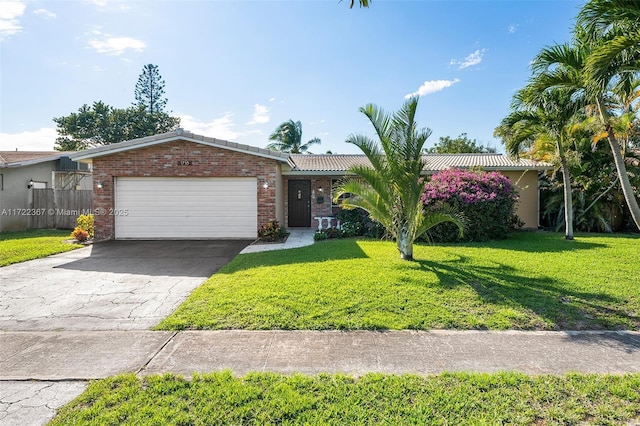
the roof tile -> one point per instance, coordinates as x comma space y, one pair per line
433, 162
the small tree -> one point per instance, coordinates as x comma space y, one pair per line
150, 90
391, 188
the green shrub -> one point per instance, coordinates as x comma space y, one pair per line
319, 236
357, 222
487, 200
85, 222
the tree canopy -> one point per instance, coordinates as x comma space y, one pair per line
460, 145
101, 124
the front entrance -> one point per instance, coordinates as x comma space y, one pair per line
299, 203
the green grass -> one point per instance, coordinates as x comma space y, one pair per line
32, 244
269, 399
533, 281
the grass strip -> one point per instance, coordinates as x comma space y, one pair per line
32, 244
373, 399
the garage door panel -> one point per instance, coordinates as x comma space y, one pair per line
186, 207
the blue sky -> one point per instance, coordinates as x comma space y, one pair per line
235, 70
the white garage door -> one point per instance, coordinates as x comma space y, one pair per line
186, 208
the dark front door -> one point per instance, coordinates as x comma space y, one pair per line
299, 203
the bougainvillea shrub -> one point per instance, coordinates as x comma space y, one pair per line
487, 199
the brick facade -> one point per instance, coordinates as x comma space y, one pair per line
325, 208
163, 160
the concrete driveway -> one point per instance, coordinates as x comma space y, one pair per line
112, 285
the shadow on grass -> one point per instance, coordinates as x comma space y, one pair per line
325, 251
557, 305
534, 242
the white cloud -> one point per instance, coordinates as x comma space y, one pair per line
45, 13
432, 86
272, 99
219, 128
10, 11
117, 5
38, 140
260, 114
512, 28
104, 43
472, 59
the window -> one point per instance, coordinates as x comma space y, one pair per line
337, 203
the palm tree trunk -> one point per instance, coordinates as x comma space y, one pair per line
618, 160
568, 199
405, 245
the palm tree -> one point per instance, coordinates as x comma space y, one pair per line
615, 26
539, 117
565, 66
363, 3
391, 189
288, 138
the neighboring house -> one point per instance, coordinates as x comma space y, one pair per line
22, 172
183, 185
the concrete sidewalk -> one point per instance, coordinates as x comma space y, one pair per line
40, 371
96, 354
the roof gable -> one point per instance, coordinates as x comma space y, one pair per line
176, 135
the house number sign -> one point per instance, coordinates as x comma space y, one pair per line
185, 162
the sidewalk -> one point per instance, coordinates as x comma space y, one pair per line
42, 371
87, 355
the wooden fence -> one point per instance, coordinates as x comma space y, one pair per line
59, 208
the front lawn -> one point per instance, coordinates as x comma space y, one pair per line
533, 281
32, 244
267, 399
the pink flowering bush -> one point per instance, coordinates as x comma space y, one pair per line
487, 199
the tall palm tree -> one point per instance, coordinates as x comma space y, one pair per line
536, 118
391, 189
363, 3
615, 26
288, 138
565, 66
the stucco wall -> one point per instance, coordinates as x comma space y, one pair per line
163, 161
15, 196
528, 207
526, 182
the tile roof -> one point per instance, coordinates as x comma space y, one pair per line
178, 134
9, 158
433, 162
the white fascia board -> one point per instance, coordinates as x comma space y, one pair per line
31, 162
